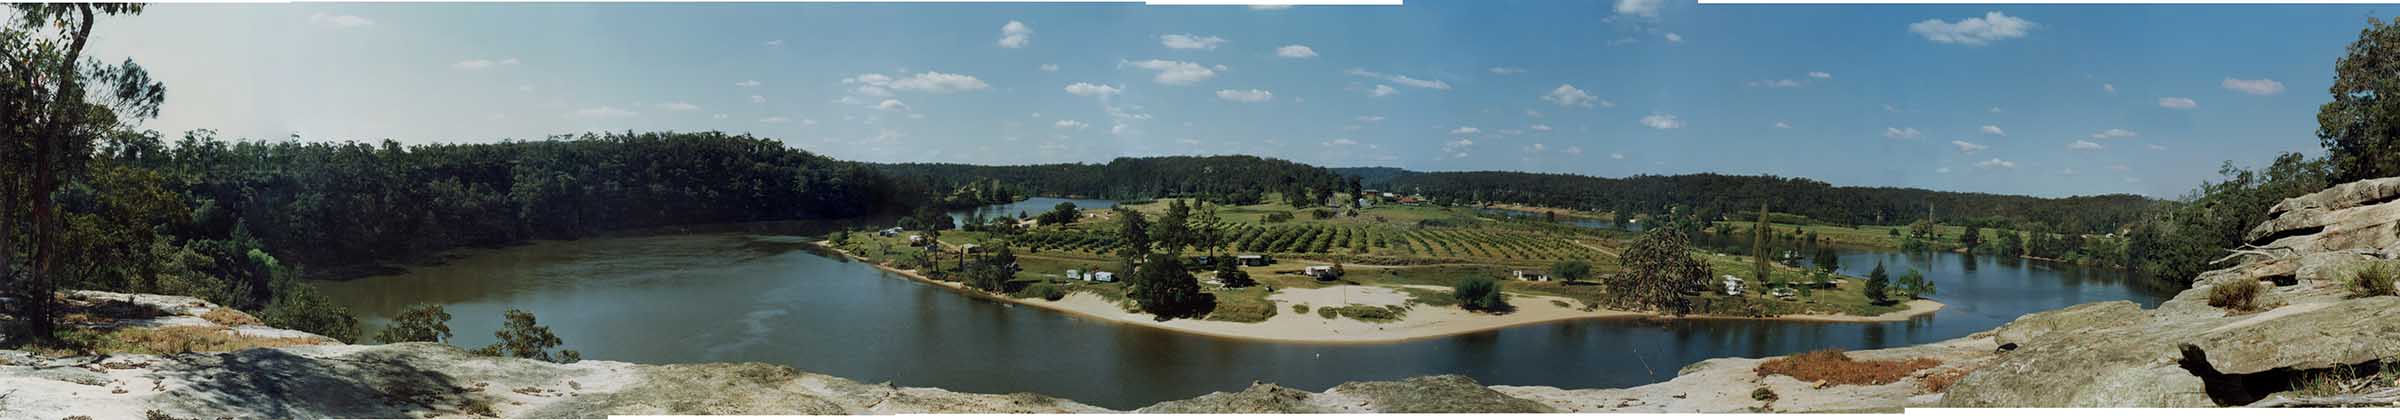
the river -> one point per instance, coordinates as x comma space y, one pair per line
735, 297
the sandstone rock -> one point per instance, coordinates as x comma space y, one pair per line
2073, 318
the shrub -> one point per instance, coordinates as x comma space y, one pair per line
1300, 308
521, 336
228, 317
1480, 294
2374, 278
1368, 313
1762, 394
423, 323
1046, 292
297, 306
2239, 295
1835, 367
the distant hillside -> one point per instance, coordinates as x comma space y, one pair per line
1128, 178
1815, 199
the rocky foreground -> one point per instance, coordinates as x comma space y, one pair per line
2185, 353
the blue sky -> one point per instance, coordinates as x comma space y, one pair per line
2042, 100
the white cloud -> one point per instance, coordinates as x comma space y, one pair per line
1820, 75
1370, 118
2178, 103
1383, 90
774, 120
2111, 88
1673, 37
1898, 133
1568, 95
1965, 147
2155, 147
774, 44
1994, 130
603, 112
1050, 67
679, 106
483, 63
2120, 168
747, 83
1573, 150
1175, 72
719, 116
1015, 35
1996, 163
2114, 133
876, 84
1942, 170
1070, 125
1777, 83
1341, 142
1295, 51
758, 99
1539, 127
1643, 8
1249, 95
1270, 6
1662, 121
2066, 171
340, 21
2084, 145
891, 105
1506, 71
1783, 124
1190, 42
1402, 80
1122, 129
1617, 156
1977, 31
1465, 130
1087, 89
2254, 87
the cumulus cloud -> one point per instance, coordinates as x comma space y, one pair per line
774, 120
1015, 35
1965, 147
1674, 38
2120, 168
1994, 130
2111, 88
1573, 150
483, 63
1662, 121
2155, 147
1506, 71
1402, 80
1175, 72
1617, 156
891, 105
1902, 133
773, 44
1820, 75
1190, 42
340, 21
1783, 124
1070, 125
758, 99
1466, 130
2115, 133
679, 106
1341, 142
1295, 51
1370, 118
1049, 67
877, 84
2254, 87
747, 83
1975, 31
1383, 90
1087, 89
1996, 163
2084, 145
1568, 95
1248, 95
1643, 8
2178, 103
1777, 83
1539, 127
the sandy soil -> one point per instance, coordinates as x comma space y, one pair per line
1421, 322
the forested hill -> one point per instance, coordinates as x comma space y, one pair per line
1814, 199
1221, 178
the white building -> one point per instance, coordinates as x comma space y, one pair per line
1733, 285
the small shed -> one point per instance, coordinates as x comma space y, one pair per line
1104, 277
1531, 275
1321, 272
1733, 285
1255, 260
1074, 274
916, 239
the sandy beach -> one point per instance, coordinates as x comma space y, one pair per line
1421, 322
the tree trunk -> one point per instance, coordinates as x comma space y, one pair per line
45, 180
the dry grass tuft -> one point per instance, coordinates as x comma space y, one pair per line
2374, 278
1836, 368
229, 317
2238, 296
188, 339
1941, 380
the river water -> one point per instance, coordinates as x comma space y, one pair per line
736, 297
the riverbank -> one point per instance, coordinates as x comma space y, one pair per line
1419, 321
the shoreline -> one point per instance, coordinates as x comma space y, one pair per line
1421, 322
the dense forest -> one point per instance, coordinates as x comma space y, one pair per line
1822, 202
1225, 179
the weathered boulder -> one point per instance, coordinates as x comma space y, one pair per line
2070, 319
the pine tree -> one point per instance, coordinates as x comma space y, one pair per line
1878, 285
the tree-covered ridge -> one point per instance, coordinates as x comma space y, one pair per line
1817, 200
1243, 179
339, 204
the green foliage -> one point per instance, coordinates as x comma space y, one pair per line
1063, 213
992, 272
1659, 270
2373, 278
1571, 270
1477, 293
2220, 214
297, 306
521, 336
1133, 233
1827, 260
1914, 285
421, 323
1879, 285
2356, 125
1162, 288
